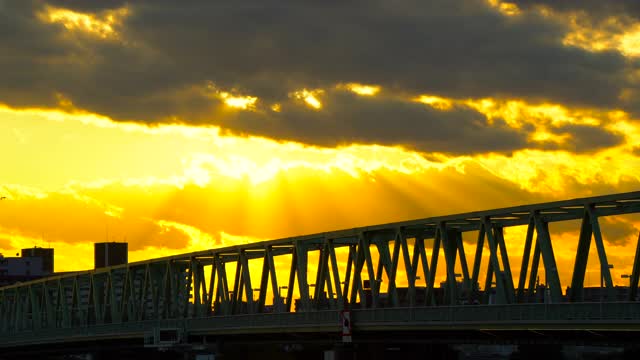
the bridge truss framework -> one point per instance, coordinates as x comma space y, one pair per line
376, 268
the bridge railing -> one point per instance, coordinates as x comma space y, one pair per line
511, 317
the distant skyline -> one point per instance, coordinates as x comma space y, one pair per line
183, 126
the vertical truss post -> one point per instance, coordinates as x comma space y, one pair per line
292, 276
212, 281
124, 297
501, 296
488, 282
390, 264
63, 305
159, 279
3, 311
548, 259
336, 274
223, 287
535, 263
146, 284
76, 311
246, 281
477, 261
524, 267
302, 267
48, 305
203, 289
449, 246
366, 251
264, 281
393, 286
237, 286
604, 264
408, 265
135, 278
347, 277
164, 292
321, 275
36, 315
420, 254
274, 279
358, 264
380, 265
633, 282
508, 277
582, 256
19, 310
466, 279
223, 297
94, 312
434, 265
129, 295
171, 297
194, 266
327, 277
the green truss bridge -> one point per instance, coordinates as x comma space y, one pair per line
440, 277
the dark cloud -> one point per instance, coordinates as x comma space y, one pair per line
596, 8
347, 118
88, 5
585, 138
455, 48
618, 230
156, 70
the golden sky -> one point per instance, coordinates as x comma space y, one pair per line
178, 130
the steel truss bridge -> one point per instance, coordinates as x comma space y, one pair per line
419, 275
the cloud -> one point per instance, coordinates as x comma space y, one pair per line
74, 218
619, 230
88, 5
159, 67
595, 8
584, 138
348, 118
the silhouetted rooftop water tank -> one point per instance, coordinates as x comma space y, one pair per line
107, 254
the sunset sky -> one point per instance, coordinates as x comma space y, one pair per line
181, 126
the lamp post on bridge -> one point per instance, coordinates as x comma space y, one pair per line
280, 299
